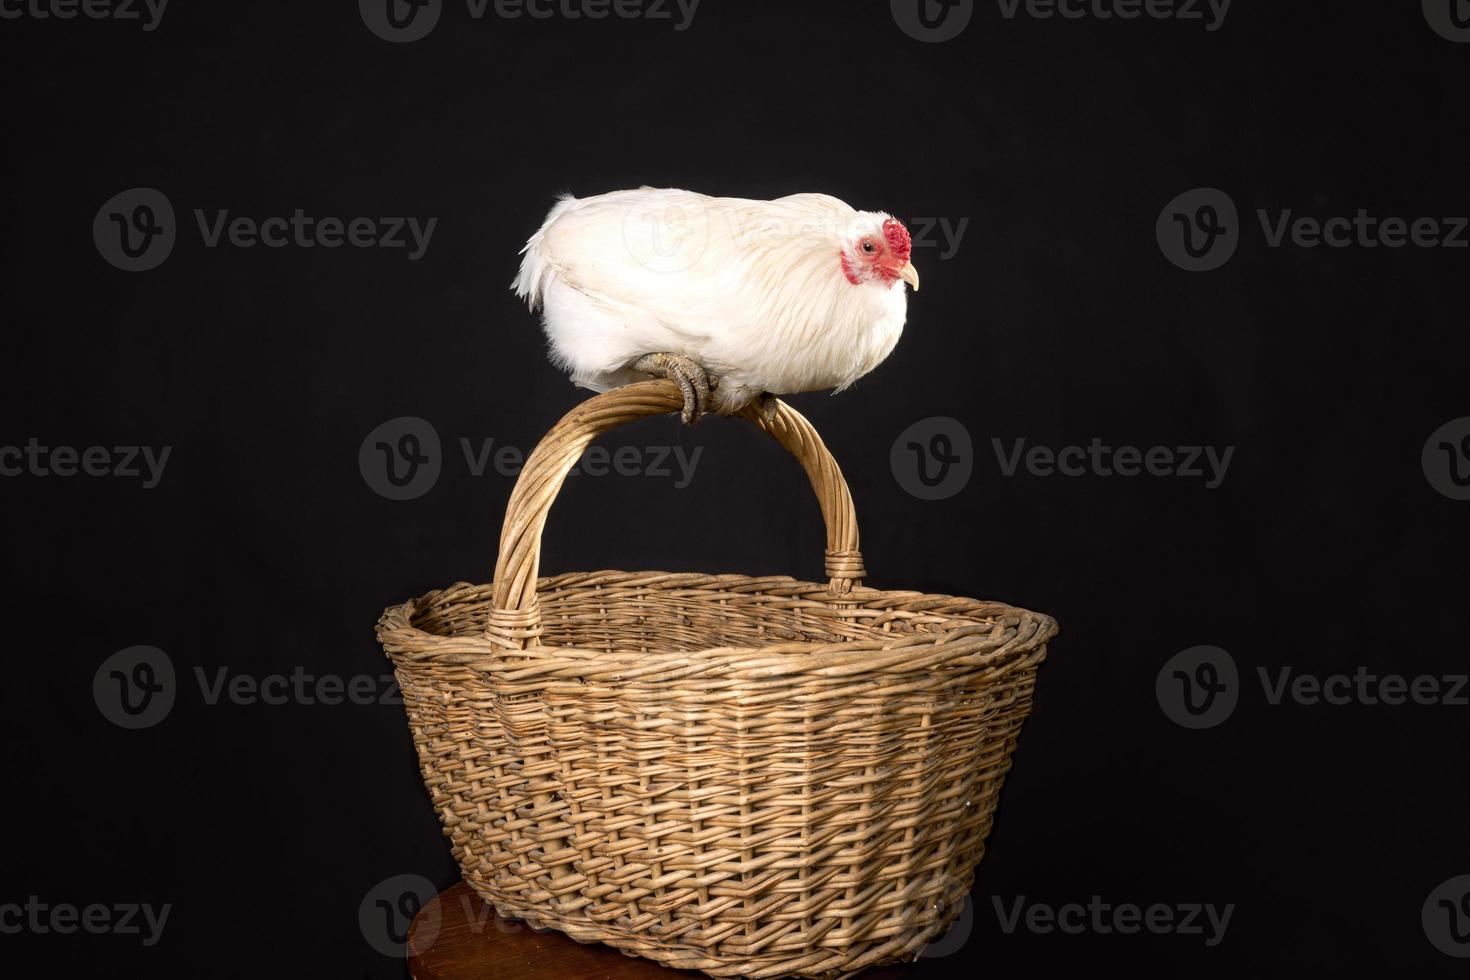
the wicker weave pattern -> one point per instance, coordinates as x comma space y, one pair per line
745, 776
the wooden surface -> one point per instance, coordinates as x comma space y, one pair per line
459, 937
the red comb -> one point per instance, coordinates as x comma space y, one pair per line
897, 236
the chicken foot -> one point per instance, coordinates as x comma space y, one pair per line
692, 379
702, 390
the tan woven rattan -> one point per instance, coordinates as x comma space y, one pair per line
746, 776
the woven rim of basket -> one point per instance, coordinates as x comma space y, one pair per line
996, 634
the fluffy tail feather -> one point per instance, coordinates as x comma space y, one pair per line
605, 380
536, 269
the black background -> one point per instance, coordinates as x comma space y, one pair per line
264, 550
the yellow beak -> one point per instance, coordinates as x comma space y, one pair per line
910, 275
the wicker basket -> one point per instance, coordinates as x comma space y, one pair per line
745, 776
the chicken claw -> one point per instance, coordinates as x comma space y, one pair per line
691, 378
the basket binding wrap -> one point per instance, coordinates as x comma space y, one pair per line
746, 776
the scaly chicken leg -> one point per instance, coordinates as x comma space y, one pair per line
692, 379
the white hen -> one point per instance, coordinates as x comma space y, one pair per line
796, 294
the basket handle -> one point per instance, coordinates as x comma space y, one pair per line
515, 617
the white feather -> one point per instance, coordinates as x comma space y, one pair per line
753, 290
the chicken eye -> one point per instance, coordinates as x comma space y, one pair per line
869, 248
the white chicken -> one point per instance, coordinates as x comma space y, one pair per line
735, 300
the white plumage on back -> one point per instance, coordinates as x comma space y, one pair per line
770, 296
